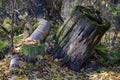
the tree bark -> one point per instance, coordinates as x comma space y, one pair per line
79, 36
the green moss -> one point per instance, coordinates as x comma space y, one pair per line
35, 25
2, 45
6, 24
4, 29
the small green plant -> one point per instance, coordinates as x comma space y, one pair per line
101, 48
114, 57
101, 70
115, 9
17, 39
110, 56
108, 39
32, 50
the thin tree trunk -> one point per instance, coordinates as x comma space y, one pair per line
12, 27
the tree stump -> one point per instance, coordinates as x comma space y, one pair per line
78, 37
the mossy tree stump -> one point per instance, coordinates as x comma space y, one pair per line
78, 37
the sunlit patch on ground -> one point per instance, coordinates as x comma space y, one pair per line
107, 75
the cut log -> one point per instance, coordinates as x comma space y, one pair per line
79, 36
32, 49
41, 31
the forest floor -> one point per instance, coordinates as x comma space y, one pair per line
48, 69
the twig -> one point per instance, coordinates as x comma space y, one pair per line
12, 26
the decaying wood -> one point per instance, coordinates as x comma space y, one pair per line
76, 38
14, 62
79, 36
41, 31
38, 35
